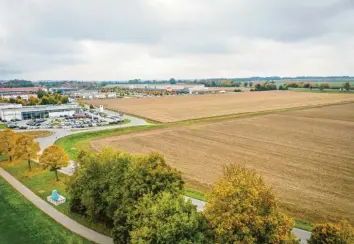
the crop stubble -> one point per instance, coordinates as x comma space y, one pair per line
177, 108
307, 155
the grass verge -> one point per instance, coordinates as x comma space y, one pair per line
42, 182
3, 126
22, 222
38, 133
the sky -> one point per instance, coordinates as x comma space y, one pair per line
184, 39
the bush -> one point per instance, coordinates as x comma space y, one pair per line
331, 233
237, 90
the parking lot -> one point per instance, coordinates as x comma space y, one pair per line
86, 119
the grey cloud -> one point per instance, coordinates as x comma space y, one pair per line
38, 35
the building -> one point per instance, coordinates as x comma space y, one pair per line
19, 90
62, 89
93, 95
36, 112
22, 96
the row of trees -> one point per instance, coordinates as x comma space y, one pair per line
43, 98
321, 86
21, 146
141, 199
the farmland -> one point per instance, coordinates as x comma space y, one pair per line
179, 108
307, 155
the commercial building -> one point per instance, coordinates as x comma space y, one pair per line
36, 112
23, 92
93, 95
63, 89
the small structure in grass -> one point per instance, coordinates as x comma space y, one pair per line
55, 198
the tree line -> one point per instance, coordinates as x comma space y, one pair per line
140, 197
20, 146
42, 98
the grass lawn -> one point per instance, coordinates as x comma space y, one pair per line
22, 222
38, 133
72, 144
42, 182
3, 126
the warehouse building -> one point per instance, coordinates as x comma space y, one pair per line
36, 112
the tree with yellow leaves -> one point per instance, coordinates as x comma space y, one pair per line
26, 148
54, 158
332, 233
242, 209
7, 143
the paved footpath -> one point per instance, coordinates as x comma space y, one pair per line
55, 214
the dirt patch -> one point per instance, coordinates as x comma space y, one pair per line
307, 156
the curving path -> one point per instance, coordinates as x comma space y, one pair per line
55, 214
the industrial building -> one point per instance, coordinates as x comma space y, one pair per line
34, 112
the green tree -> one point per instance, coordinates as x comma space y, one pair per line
172, 81
250, 84
332, 233
54, 158
166, 218
26, 148
147, 174
321, 87
242, 209
245, 84
41, 94
8, 143
347, 86
107, 186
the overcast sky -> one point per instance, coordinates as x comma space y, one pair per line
160, 39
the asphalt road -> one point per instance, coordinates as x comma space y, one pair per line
59, 133
302, 234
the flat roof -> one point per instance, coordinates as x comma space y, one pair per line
42, 108
20, 89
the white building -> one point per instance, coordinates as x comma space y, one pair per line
23, 96
39, 111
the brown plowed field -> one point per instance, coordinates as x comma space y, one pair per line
306, 155
177, 108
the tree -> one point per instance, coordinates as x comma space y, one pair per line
331, 233
321, 87
54, 158
166, 218
147, 174
172, 81
347, 86
7, 143
41, 94
26, 148
33, 101
250, 84
242, 209
245, 84
91, 106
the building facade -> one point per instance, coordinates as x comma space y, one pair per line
36, 112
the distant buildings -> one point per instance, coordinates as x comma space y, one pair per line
23, 92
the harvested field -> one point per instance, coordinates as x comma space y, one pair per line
177, 108
306, 155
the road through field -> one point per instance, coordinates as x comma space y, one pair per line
307, 156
